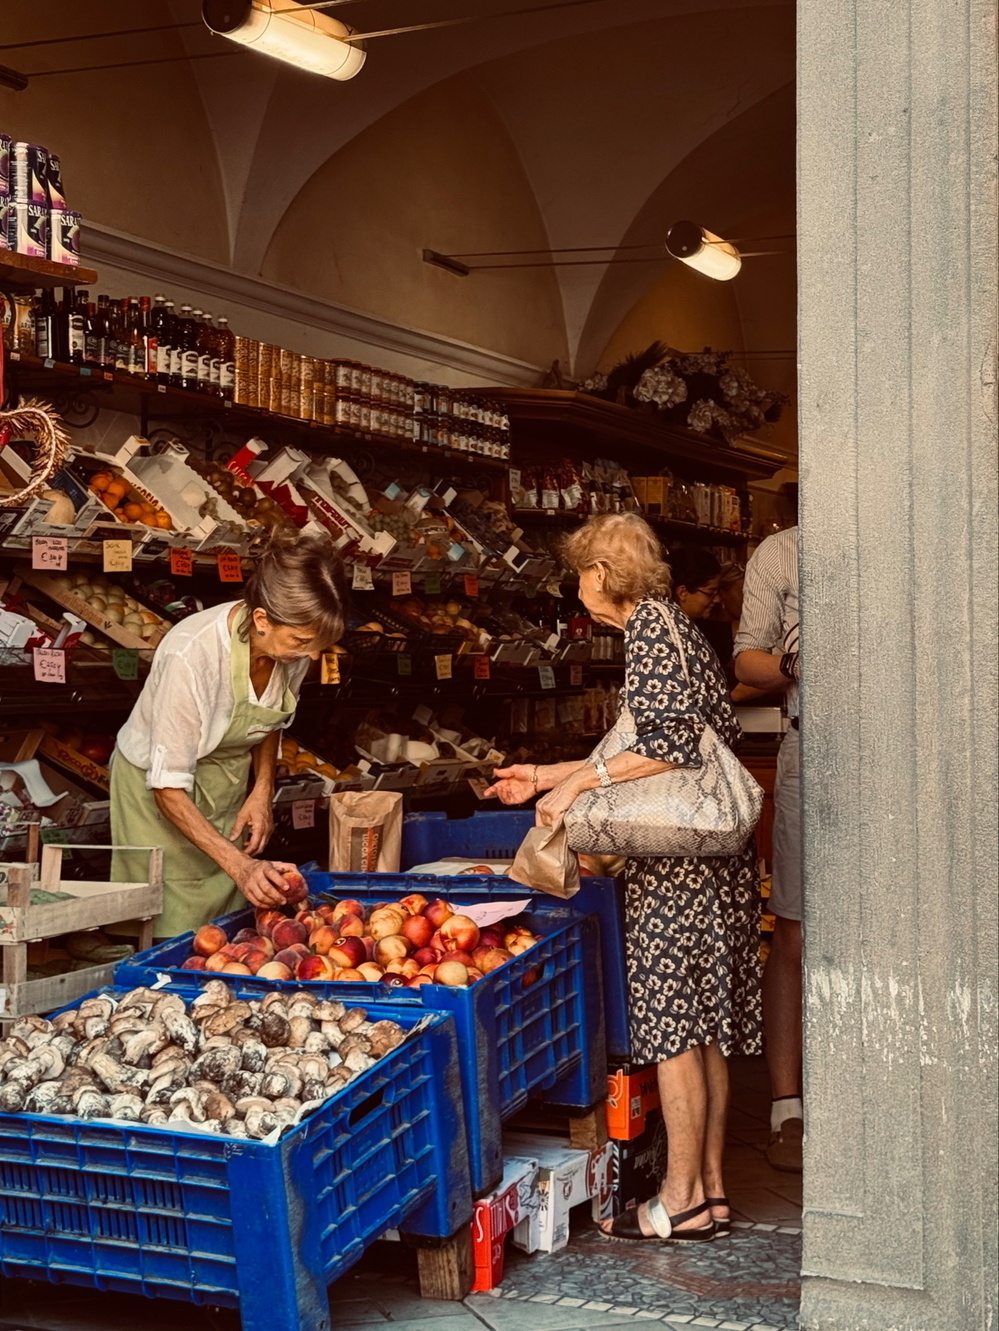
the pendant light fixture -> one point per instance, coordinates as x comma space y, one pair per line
304, 38
703, 250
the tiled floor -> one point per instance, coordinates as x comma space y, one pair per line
748, 1282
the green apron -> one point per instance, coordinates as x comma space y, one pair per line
196, 890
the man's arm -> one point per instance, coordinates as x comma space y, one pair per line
760, 669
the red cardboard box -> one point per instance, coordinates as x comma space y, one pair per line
632, 1094
494, 1217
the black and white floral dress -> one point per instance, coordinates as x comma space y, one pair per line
691, 925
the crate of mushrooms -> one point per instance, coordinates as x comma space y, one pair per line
187, 1143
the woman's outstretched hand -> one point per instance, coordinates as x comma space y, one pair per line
513, 785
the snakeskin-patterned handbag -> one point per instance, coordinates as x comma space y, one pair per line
688, 811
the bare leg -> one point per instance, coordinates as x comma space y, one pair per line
683, 1089
716, 1077
782, 1008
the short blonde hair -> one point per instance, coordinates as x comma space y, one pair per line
628, 551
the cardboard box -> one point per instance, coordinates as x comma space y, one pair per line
61, 755
116, 632
637, 1167
632, 1096
566, 1178
514, 1201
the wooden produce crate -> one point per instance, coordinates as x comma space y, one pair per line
116, 632
87, 905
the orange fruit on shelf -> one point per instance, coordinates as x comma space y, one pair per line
116, 488
162, 520
132, 511
100, 480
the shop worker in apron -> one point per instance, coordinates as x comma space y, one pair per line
222, 686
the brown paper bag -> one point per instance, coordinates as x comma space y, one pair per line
365, 831
545, 862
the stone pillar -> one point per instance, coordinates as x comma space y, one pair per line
897, 283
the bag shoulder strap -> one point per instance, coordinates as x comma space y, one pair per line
671, 629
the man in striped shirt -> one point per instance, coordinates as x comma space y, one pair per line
766, 656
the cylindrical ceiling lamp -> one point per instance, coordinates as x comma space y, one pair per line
308, 39
703, 250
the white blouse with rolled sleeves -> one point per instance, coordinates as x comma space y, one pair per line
186, 703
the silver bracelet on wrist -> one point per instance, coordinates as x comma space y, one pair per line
600, 767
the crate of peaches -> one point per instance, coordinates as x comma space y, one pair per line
525, 991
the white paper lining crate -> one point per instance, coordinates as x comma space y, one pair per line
88, 905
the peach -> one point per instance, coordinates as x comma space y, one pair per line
462, 957
245, 936
415, 904
286, 957
494, 958
267, 919
518, 931
288, 932
405, 966
310, 919
429, 970
418, 981
532, 977
315, 968
216, 962
302, 949
369, 947
236, 968
294, 889
522, 943
255, 958
425, 956
194, 964
209, 939
418, 930
383, 923
350, 906
237, 951
349, 975
437, 912
392, 948
461, 932
275, 970
264, 945
451, 973
439, 945
349, 926
491, 937
326, 912
474, 974
322, 939
347, 952
370, 971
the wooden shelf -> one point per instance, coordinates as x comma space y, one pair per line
687, 531
20, 270
570, 421
160, 402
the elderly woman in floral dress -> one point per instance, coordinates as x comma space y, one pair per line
691, 923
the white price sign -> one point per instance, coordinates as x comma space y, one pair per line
546, 677
303, 813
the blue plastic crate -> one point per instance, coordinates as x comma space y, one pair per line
495, 835
518, 1036
215, 1220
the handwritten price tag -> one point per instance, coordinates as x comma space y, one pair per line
48, 552
402, 584
181, 562
50, 665
403, 664
303, 813
230, 567
330, 668
546, 677
443, 665
432, 584
471, 585
125, 662
117, 556
575, 676
481, 670
361, 579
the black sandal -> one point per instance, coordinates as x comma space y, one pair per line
722, 1227
626, 1226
